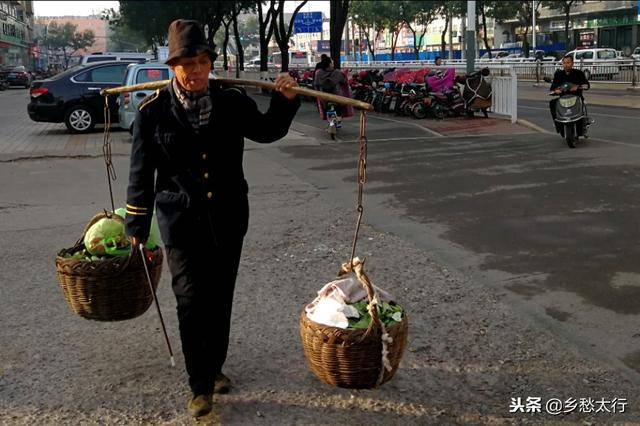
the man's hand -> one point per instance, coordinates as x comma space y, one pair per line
557, 91
135, 241
284, 82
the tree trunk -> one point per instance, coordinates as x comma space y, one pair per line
281, 36
424, 31
415, 44
443, 44
265, 24
225, 62
360, 42
239, 48
394, 41
525, 42
567, 11
337, 20
484, 27
66, 59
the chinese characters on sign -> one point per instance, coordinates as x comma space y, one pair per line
308, 22
557, 406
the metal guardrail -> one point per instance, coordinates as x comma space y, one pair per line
622, 71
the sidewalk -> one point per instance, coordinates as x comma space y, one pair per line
595, 96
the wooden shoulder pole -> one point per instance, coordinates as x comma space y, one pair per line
246, 82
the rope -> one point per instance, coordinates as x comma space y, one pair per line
356, 265
362, 179
106, 150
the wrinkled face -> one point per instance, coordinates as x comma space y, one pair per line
567, 64
193, 73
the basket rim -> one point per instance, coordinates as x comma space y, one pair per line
69, 261
344, 331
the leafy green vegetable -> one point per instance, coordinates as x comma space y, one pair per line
390, 314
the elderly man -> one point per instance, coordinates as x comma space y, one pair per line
190, 135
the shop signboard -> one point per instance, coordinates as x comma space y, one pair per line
586, 38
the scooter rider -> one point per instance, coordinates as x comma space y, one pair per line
567, 74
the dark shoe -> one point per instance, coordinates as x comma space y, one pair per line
200, 405
222, 384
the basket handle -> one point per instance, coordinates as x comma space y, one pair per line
357, 267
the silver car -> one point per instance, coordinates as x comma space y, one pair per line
138, 74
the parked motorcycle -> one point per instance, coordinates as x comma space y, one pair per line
477, 92
571, 113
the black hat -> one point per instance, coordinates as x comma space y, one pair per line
186, 39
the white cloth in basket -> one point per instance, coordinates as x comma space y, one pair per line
331, 306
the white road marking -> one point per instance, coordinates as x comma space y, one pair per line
590, 113
433, 132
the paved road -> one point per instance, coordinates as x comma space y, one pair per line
555, 228
614, 125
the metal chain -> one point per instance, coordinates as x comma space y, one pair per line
362, 179
106, 150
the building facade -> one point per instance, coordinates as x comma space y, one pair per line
594, 23
16, 33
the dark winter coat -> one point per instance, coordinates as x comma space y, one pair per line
196, 179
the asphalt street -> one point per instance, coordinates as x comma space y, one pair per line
555, 228
615, 125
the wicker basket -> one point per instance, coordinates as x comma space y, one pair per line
352, 358
113, 289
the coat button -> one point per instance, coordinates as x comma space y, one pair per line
209, 195
206, 175
204, 156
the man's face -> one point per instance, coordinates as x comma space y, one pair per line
567, 64
438, 62
193, 73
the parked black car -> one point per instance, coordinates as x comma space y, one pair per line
17, 76
73, 96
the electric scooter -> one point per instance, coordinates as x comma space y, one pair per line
571, 114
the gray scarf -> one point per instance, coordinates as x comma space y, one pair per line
197, 105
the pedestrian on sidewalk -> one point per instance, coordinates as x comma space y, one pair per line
191, 133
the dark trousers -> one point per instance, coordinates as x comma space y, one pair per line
203, 281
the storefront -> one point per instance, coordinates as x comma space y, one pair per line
14, 47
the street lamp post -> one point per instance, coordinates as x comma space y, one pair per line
534, 27
470, 38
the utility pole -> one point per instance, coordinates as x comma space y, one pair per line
534, 28
470, 36
346, 40
450, 36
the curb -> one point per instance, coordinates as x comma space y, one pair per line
530, 125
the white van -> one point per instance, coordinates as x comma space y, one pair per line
116, 56
596, 63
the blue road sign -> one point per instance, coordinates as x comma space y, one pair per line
308, 22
